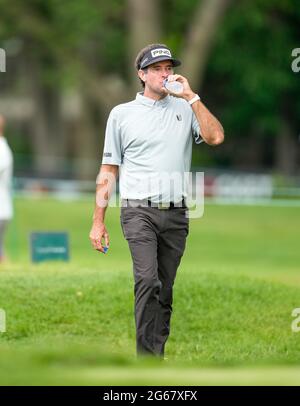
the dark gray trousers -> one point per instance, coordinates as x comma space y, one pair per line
156, 239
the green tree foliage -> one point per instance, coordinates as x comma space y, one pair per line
248, 82
65, 35
252, 61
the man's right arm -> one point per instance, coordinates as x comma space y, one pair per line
106, 180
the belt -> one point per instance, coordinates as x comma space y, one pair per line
149, 203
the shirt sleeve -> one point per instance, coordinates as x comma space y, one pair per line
112, 151
196, 130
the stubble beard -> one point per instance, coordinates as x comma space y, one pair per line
159, 91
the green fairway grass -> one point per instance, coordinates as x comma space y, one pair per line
72, 323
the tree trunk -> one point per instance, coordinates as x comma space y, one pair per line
200, 39
87, 140
144, 26
47, 136
48, 140
98, 95
287, 151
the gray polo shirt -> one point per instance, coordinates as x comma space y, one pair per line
151, 141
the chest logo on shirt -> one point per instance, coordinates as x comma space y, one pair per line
179, 118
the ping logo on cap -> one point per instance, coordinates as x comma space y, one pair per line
160, 51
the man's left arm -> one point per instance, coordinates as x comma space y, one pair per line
211, 129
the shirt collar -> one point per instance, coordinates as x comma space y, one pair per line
151, 102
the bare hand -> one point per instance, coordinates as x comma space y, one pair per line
97, 233
187, 92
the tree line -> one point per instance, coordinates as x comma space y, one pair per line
68, 63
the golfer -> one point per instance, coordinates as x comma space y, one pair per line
145, 138
6, 165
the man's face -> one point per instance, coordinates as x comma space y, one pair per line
155, 75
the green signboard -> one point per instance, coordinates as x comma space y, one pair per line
49, 246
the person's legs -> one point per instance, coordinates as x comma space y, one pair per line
171, 245
156, 239
3, 225
140, 231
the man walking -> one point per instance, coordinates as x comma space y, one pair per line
6, 165
145, 138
